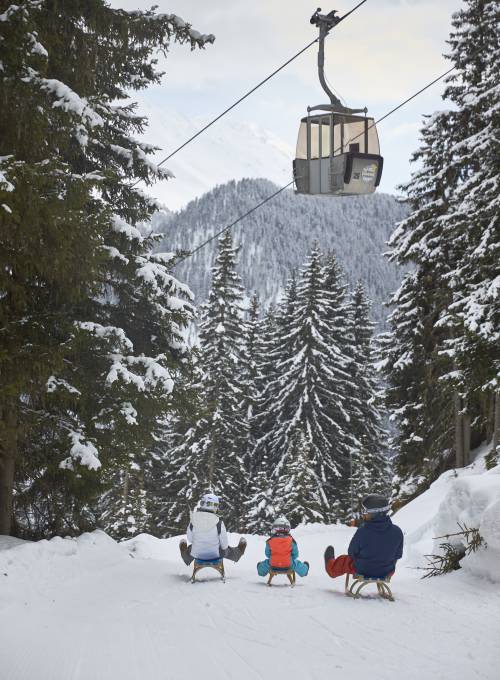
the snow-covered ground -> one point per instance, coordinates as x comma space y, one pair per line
93, 609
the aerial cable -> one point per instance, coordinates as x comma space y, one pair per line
399, 106
279, 191
233, 224
247, 94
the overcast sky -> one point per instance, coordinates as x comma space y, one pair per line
379, 56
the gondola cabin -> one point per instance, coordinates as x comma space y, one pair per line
338, 154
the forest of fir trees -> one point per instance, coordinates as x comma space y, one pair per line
288, 417
107, 417
110, 419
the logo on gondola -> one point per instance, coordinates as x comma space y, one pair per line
369, 172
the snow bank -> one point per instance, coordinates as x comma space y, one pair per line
469, 496
57, 559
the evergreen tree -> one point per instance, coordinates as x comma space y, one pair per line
209, 455
348, 410
250, 377
297, 488
421, 403
72, 377
440, 360
369, 469
310, 389
472, 220
277, 347
259, 508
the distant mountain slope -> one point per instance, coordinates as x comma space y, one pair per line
276, 238
231, 151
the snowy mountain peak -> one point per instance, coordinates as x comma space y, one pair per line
276, 238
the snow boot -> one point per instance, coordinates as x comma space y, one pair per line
185, 552
234, 554
329, 554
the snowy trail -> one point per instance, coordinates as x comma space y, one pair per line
86, 609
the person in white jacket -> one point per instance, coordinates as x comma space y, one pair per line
207, 535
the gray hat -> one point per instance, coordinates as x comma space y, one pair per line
376, 504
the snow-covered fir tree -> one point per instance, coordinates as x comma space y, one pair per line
251, 378
441, 360
412, 364
347, 413
276, 347
261, 503
209, 455
297, 493
473, 221
259, 508
369, 466
311, 389
84, 376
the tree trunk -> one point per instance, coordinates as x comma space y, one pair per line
125, 488
462, 432
8, 451
466, 426
459, 432
496, 427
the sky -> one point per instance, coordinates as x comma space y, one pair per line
380, 55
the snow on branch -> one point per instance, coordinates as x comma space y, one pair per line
54, 384
182, 29
120, 226
129, 413
114, 253
159, 278
81, 451
152, 373
106, 332
66, 98
17, 9
5, 185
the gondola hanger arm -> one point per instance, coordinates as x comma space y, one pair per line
325, 23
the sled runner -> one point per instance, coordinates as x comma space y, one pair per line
290, 573
217, 564
359, 582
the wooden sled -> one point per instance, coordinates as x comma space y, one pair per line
218, 565
359, 582
289, 573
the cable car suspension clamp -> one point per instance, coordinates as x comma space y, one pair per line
325, 23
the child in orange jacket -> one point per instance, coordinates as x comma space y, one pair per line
282, 551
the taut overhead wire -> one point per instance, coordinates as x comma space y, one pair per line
273, 195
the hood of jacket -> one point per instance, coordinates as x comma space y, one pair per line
379, 524
203, 521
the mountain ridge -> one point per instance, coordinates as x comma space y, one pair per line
275, 239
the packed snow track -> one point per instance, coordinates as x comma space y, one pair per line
93, 609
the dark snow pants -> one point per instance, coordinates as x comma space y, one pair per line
229, 553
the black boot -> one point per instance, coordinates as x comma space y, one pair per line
329, 554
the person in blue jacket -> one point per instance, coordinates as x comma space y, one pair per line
375, 547
282, 551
